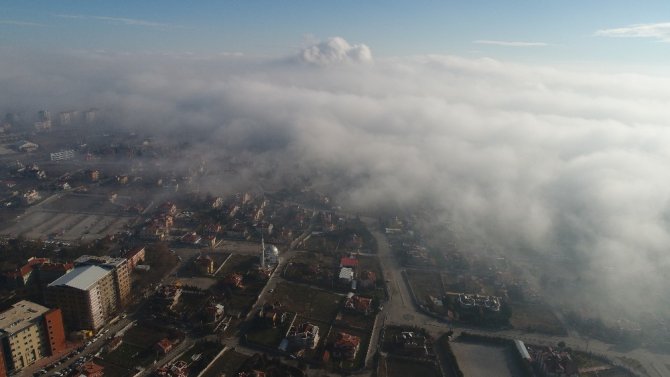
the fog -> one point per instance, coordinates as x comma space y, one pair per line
562, 162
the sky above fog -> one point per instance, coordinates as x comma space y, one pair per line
532, 126
615, 32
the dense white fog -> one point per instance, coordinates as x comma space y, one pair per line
558, 161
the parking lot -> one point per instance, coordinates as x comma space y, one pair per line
64, 218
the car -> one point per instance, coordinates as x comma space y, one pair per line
271, 290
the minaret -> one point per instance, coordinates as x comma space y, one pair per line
262, 249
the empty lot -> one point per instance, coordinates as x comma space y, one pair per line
476, 359
69, 217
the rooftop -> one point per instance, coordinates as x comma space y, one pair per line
82, 277
20, 316
104, 261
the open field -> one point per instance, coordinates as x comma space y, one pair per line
425, 284
478, 359
70, 217
396, 367
308, 302
238, 263
228, 364
536, 317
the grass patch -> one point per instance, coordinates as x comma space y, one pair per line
402, 367
309, 302
129, 356
143, 337
238, 263
228, 364
536, 317
425, 284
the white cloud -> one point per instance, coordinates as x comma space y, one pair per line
117, 20
569, 164
19, 23
510, 43
335, 50
660, 31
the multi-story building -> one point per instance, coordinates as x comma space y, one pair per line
87, 296
120, 269
28, 333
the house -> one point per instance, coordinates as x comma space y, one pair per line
163, 346
204, 264
358, 304
215, 312
135, 256
412, 341
367, 279
168, 208
210, 240
23, 275
29, 197
349, 262
346, 346
304, 335
93, 175
216, 203
122, 179
27, 147
153, 232
233, 280
91, 369
168, 295
191, 238
346, 275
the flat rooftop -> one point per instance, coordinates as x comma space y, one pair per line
21, 315
81, 277
103, 261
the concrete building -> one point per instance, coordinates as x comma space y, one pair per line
136, 256
67, 154
28, 333
120, 269
86, 295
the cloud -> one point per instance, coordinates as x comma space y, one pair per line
660, 31
563, 170
19, 23
335, 50
117, 20
510, 43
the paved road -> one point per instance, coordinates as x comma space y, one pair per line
401, 310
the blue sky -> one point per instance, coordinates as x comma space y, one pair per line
558, 31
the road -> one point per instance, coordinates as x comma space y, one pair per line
401, 310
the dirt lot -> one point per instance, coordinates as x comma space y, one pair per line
70, 217
309, 302
477, 359
396, 367
536, 317
424, 284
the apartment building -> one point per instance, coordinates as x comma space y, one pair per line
87, 297
120, 270
28, 333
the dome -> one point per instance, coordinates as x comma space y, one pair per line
271, 249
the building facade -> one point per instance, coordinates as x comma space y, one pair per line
87, 296
28, 333
120, 270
